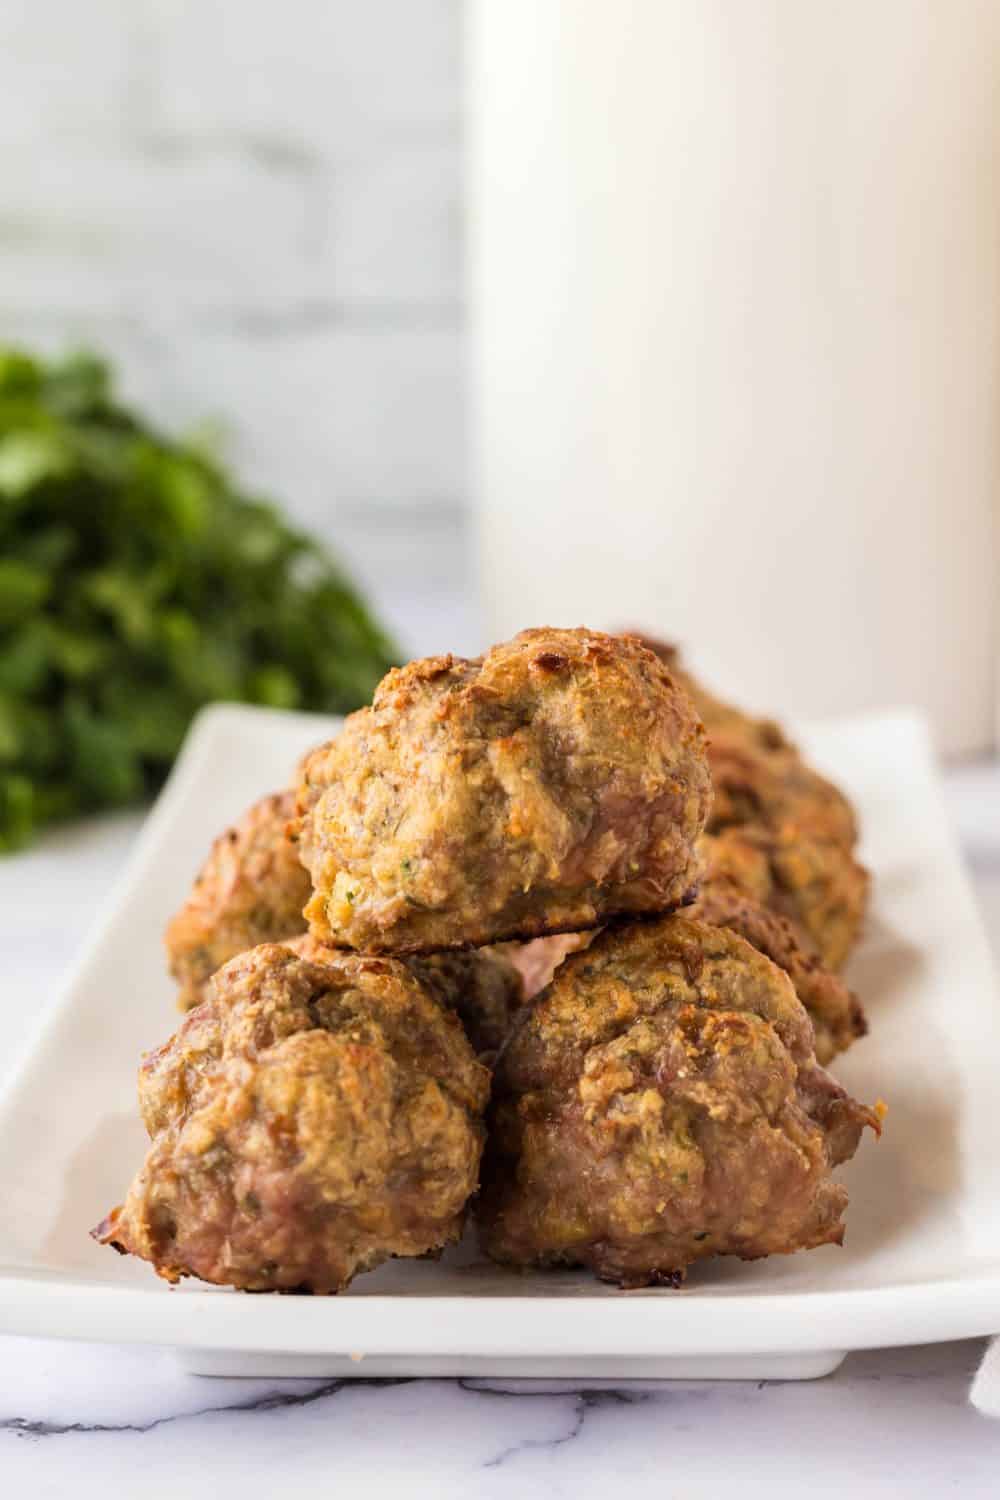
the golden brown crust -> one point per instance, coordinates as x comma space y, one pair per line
821, 889
776, 789
658, 1103
307, 1121
718, 716
723, 901
556, 781
814, 883
482, 986
781, 812
835, 1011
251, 889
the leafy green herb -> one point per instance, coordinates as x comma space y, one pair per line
138, 582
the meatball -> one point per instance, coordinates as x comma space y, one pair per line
555, 781
307, 1121
756, 769
717, 715
732, 894
482, 986
813, 883
820, 888
776, 789
798, 831
835, 1011
659, 1103
797, 824
251, 889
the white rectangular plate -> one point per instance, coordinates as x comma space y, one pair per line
922, 1256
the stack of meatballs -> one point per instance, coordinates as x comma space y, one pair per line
549, 939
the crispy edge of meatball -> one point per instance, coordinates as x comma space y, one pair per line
294, 1089
578, 1158
251, 889
509, 812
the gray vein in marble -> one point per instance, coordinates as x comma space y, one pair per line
271, 1401
585, 1401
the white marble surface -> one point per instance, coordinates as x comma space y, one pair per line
79, 1418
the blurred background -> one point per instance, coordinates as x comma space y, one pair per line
673, 315
255, 212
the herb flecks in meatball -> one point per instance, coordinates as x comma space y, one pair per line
556, 781
659, 1103
307, 1122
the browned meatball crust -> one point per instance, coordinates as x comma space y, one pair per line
815, 884
555, 781
251, 889
820, 888
757, 772
795, 831
660, 1102
733, 900
835, 1011
307, 1121
482, 986
750, 785
801, 825
717, 715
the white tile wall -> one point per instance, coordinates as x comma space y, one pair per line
65, 68
255, 209
325, 75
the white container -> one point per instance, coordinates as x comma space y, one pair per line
735, 286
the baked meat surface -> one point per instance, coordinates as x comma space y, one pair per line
659, 1103
717, 715
251, 889
481, 985
775, 788
814, 883
734, 901
307, 1121
555, 781
834, 1009
800, 824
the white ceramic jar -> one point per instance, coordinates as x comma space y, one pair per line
735, 281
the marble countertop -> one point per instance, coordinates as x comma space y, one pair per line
82, 1418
